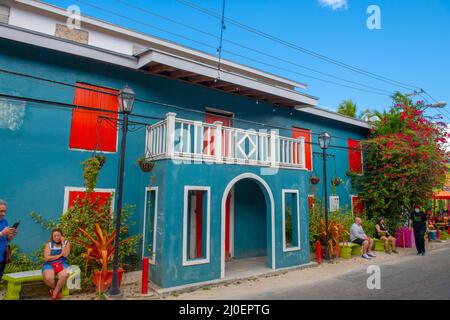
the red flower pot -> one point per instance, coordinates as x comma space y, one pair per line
102, 283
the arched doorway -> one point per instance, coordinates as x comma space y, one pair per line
251, 232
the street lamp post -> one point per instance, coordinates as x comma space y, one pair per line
324, 141
126, 101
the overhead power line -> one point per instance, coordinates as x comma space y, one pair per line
168, 105
299, 48
364, 87
72, 106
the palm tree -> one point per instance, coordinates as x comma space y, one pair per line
347, 108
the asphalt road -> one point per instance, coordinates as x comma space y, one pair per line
412, 277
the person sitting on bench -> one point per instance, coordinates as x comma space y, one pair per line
385, 236
358, 236
55, 263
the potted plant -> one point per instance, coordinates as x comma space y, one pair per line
101, 252
334, 183
145, 164
314, 180
337, 181
91, 169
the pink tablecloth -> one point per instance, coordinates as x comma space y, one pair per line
405, 238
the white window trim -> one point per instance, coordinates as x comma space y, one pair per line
187, 262
152, 259
67, 190
285, 248
330, 200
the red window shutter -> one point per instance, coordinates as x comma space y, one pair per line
305, 133
87, 132
357, 206
226, 122
355, 156
310, 202
80, 195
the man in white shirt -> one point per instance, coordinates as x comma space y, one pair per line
358, 236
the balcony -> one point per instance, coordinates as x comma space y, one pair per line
199, 142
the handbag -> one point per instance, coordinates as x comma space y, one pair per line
57, 266
7, 255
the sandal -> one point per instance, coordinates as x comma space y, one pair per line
58, 296
387, 251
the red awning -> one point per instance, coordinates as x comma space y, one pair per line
442, 195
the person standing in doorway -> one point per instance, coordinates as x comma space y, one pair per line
418, 222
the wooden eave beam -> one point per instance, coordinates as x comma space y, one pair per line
180, 74
160, 68
198, 79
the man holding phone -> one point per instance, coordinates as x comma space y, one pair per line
6, 235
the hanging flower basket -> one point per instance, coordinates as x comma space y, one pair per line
145, 165
314, 180
336, 181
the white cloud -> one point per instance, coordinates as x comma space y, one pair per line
334, 4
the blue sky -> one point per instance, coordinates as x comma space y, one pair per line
412, 47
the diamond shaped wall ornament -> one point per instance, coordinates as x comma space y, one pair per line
252, 145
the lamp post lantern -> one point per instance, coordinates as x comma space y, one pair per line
324, 141
126, 101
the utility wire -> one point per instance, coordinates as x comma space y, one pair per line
389, 93
381, 91
192, 110
222, 29
298, 48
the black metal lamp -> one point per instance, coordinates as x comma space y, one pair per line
324, 141
126, 101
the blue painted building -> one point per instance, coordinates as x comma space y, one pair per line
234, 149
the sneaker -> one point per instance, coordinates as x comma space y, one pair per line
422, 254
395, 251
366, 256
371, 254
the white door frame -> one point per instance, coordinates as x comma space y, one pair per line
223, 213
232, 222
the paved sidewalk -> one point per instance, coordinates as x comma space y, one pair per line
266, 282
271, 287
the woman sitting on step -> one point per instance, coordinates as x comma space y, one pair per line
384, 235
55, 263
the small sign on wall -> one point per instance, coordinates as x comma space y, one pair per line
334, 203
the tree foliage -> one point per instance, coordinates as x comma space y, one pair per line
347, 108
405, 160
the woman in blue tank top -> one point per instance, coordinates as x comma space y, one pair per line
55, 262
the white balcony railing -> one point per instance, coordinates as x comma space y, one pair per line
174, 138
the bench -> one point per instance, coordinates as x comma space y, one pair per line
16, 279
379, 245
353, 249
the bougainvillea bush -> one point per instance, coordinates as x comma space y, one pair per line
405, 160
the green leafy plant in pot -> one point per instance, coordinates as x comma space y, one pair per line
145, 164
335, 182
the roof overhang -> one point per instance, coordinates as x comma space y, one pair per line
209, 75
334, 116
